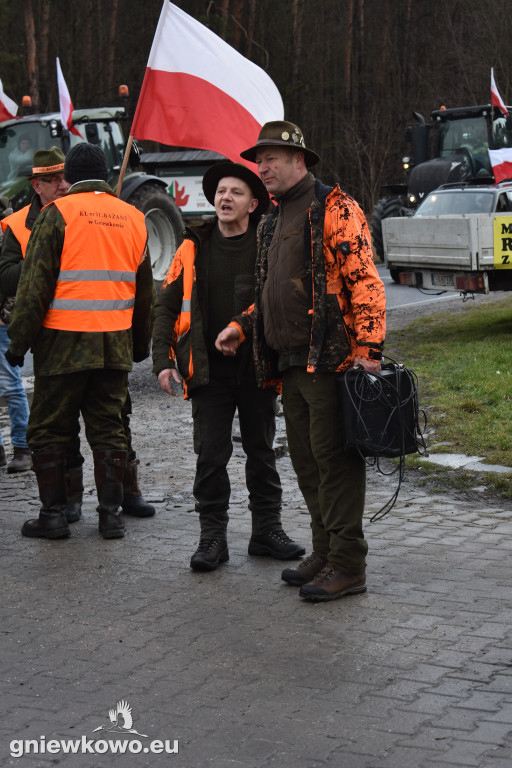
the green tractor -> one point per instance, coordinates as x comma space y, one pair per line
20, 137
451, 148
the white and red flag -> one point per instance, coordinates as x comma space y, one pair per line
501, 161
496, 99
8, 107
65, 103
199, 92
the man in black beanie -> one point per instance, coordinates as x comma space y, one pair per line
210, 279
84, 306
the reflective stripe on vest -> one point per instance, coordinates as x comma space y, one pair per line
188, 254
16, 223
103, 246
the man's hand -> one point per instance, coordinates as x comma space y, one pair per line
14, 360
164, 378
372, 366
228, 341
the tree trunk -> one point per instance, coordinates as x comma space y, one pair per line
347, 57
111, 48
32, 71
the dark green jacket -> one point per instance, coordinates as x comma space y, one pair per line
57, 352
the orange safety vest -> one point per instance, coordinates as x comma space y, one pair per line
16, 223
104, 244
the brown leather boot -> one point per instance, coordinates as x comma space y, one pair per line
305, 571
21, 461
51, 524
133, 501
74, 493
109, 469
330, 584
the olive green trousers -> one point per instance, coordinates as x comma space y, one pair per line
331, 480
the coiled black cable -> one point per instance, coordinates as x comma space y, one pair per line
381, 418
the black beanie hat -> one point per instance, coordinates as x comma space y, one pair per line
85, 161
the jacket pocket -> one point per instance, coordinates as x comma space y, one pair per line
183, 356
337, 345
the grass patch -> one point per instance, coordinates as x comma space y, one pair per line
464, 365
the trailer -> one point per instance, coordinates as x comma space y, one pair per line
464, 252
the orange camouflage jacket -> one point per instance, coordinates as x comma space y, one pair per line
347, 294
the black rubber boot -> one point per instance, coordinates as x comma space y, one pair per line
109, 469
74, 494
50, 470
133, 502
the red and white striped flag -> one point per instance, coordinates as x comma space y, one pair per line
496, 99
8, 107
199, 92
65, 103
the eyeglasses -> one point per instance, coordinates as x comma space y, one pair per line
52, 179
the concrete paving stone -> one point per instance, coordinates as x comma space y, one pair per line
432, 739
402, 757
433, 703
495, 734
483, 701
466, 754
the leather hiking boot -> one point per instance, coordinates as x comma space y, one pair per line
133, 502
3, 458
51, 523
109, 468
209, 555
74, 493
275, 544
110, 524
330, 584
305, 571
20, 462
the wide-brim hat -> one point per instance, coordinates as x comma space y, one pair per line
220, 170
47, 161
280, 133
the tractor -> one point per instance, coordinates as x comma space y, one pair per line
451, 148
102, 127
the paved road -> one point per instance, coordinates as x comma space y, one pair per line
416, 673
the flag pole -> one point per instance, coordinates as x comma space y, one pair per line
123, 166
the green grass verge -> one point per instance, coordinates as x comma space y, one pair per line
464, 365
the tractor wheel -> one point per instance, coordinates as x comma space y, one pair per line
164, 224
384, 209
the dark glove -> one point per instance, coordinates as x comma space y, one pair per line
14, 359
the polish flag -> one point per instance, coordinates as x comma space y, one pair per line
199, 92
66, 106
501, 161
496, 99
8, 108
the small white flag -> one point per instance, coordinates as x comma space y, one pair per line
66, 105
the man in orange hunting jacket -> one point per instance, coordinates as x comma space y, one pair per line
319, 309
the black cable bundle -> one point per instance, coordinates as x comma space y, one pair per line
380, 415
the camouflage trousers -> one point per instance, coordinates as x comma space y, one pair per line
98, 395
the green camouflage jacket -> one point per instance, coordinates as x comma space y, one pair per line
57, 352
